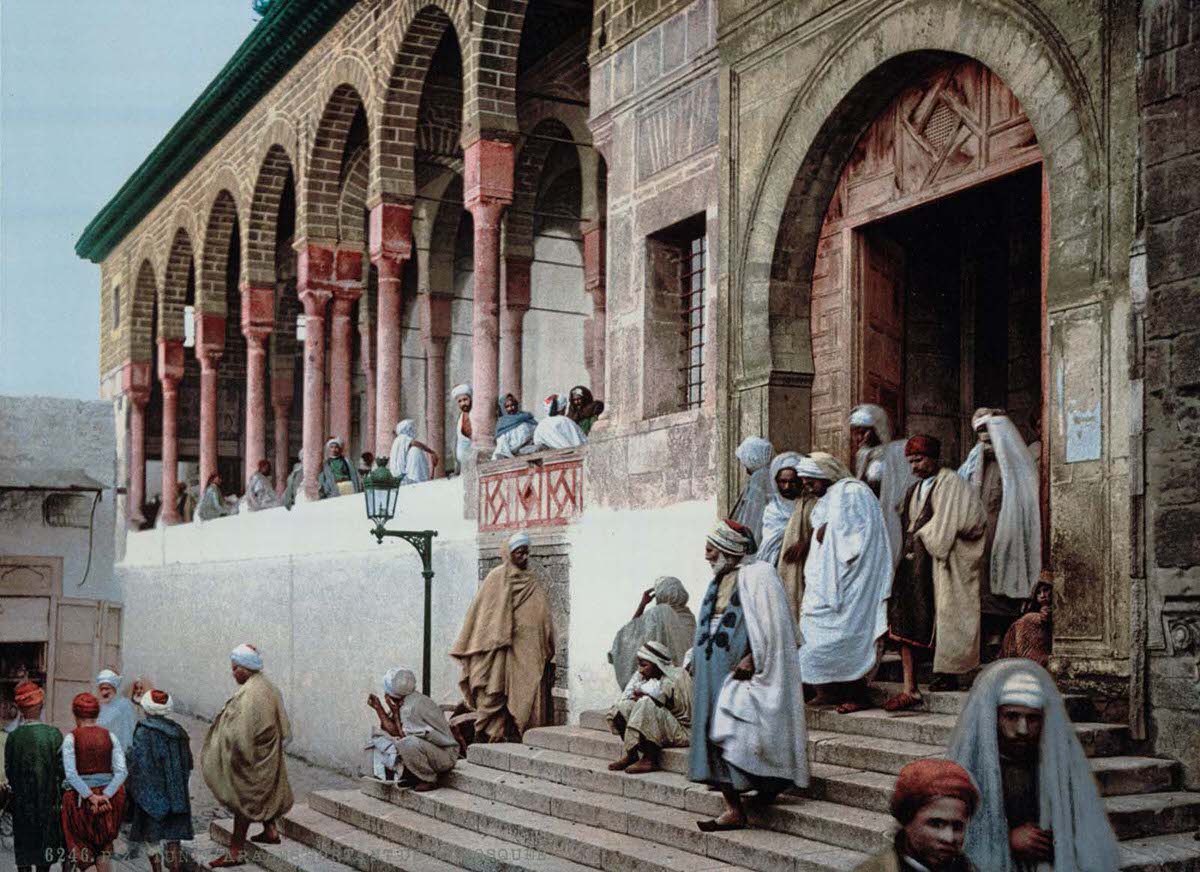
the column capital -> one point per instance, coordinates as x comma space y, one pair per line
170, 362
258, 308
517, 291
594, 258
488, 173
434, 312
314, 301
391, 232
281, 391
135, 381
210, 338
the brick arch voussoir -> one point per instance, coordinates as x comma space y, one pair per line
531, 161
823, 122
412, 42
263, 215
141, 310
179, 262
490, 70
223, 215
347, 88
352, 199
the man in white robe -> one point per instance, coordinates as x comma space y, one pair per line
754, 454
556, 431
514, 429
1039, 807
662, 616
748, 707
462, 396
1004, 476
847, 580
785, 488
413, 743
117, 713
409, 457
260, 493
879, 461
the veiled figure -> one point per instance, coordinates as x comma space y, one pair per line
667, 620
506, 649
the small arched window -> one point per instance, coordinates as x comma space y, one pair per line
116, 307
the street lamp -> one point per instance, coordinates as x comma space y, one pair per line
380, 491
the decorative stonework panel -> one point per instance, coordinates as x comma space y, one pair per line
677, 129
524, 493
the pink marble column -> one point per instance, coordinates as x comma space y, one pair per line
391, 245
210, 344
314, 284
135, 384
170, 371
258, 319
512, 321
435, 335
340, 357
366, 343
594, 253
487, 191
281, 405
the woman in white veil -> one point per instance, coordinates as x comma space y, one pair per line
1070, 804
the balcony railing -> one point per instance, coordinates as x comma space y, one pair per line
539, 490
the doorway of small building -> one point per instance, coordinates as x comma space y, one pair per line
951, 311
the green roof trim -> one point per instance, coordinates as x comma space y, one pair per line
288, 30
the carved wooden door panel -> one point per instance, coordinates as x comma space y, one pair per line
76, 644
880, 261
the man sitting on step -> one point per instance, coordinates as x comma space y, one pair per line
1039, 806
933, 803
654, 712
414, 736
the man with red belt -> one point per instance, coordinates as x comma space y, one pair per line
93, 804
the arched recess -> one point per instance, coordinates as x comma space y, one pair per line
180, 266
352, 199
394, 142
141, 314
519, 221
276, 171
219, 242
320, 214
824, 121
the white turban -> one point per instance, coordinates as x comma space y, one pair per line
406, 428
334, 441
754, 453
656, 653
808, 468
982, 416
110, 678
1024, 689
247, 657
463, 390
399, 682
516, 540
161, 709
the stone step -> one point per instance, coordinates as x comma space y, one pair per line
794, 828
1098, 739
1154, 814
291, 856
950, 702
1178, 852
201, 851
334, 817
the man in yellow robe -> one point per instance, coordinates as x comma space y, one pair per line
242, 760
935, 595
506, 649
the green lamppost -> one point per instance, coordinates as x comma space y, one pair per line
381, 490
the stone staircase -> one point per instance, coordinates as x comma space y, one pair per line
551, 804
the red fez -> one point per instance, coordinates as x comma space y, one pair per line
27, 695
922, 782
926, 445
159, 696
85, 706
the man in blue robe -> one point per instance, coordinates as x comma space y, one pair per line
160, 762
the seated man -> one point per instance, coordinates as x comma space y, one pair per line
662, 616
260, 493
338, 475
413, 737
933, 803
556, 430
654, 712
584, 409
1039, 806
410, 457
514, 428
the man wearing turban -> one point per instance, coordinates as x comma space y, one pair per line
748, 707
879, 461
338, 476
413, 743
754, 455
933, 802
117, 713
1039, 807
462, 396
160, 761
93, 803
654, 711
33, 767
935, 594
506, 649
662, 616
409, 457
242, 759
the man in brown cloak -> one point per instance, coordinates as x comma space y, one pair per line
506, 649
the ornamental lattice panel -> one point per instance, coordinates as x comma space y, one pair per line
543, 491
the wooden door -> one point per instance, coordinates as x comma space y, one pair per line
880, 289
110, 637
76, 651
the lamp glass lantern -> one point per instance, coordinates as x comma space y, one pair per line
381, 491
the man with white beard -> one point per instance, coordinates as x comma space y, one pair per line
748, 729
879, 461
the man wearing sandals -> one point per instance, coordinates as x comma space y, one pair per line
242, 759
935, 595
747, 709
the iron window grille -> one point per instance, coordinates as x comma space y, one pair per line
691, 285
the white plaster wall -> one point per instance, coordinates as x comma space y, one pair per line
330, 609
615, 555
552, 340
57, 437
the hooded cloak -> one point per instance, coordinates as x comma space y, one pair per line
755, 455
407, 458
778, 511
668, 620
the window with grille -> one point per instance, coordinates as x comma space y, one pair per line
692, 315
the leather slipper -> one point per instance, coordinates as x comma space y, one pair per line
715, 826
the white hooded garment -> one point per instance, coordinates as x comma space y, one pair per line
847, 581
755, 455
1016, 562
759, 723
778, 511
1071, 806
886, 465
555, 432
407, 458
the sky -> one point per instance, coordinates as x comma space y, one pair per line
87, 89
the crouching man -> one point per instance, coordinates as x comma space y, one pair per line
933, 802
414, 740
654, 712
